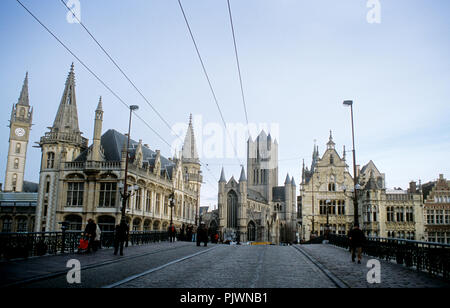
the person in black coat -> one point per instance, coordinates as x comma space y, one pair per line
357, 239
120, 236
90, 231
202, 234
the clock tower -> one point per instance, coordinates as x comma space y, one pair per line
20, 126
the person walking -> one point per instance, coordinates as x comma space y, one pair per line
172, 233
357, 238
97, 241
120, 236
90, 232
202, 234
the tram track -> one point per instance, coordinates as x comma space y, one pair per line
40, 278
336, 281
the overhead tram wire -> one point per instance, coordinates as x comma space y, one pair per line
208, 79
238, 66
94, 74
126, 76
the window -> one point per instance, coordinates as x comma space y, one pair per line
75, 193
18, 146
331, 187
148, 201
108, 192
14, 179
410, 214
439, 217
430, 217
331, 159
22, 224
16, 163
440, 237
50, 160
390, 213
138, 199
431, 236
158, 204
447, 217
7, 224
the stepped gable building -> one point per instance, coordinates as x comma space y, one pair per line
80, 181
437, 210
322, 189
255, 207
328, 188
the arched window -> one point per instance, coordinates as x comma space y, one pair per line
232, 210
136, 224
251, 231
74, 222
14, 179
22, 112
16, 163
18, 146
50, 160
22, 224
106, 223
7, 224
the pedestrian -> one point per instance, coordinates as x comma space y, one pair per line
202, 234
97, 242
172, 233
181, 238
216, 237
90, 232
357, 238
120, 236
189, 233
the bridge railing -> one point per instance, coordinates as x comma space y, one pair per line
430, 257
30, 244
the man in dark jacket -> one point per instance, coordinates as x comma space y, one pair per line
357, 238
202, 234
90, 232
120, 236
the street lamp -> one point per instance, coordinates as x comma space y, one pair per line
125, 194
355, 200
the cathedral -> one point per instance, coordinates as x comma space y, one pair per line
79, 181
255, 208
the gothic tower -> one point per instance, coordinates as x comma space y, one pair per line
262, 164
20, 126
63, 143
191, 163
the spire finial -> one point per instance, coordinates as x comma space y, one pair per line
100, 105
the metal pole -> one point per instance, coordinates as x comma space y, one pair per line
355, 200
125, 194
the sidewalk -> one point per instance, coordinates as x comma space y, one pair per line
40, 267
338, 261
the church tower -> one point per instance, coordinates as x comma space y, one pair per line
262, 164
20, 126
63, 143
191, 163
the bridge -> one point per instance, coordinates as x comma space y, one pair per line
151, 261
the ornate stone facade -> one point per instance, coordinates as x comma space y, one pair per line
257, 207
78, 182
326, 194
437, 211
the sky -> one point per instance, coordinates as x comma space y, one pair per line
299, 61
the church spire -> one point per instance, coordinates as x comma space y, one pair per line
24, 99
189, 150
67, 116
330, 144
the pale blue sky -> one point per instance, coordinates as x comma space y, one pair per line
299, 59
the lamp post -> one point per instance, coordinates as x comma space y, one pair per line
125, 194
355, 199
171, 204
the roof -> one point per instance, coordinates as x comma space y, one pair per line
113, 142
30, 187
18, 198
255, 195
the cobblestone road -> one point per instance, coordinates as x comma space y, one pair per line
239, 267
338, 261
184, 265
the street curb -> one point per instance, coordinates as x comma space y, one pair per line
338, 282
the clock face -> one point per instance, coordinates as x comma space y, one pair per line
20, 131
